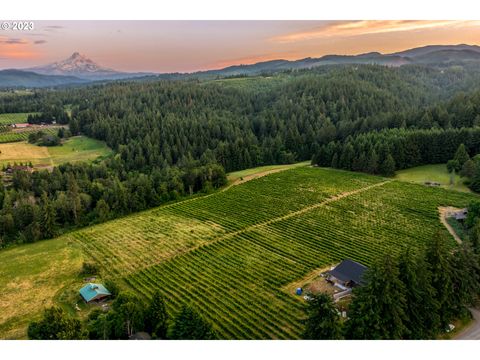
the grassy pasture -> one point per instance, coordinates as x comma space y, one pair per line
78, 148
231, 254
436, 173
31, 276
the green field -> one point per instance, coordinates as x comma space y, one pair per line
230, 254
77, 148
436, 173
13, 118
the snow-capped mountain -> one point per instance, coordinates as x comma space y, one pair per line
82, 67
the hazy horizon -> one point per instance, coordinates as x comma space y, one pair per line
188, 46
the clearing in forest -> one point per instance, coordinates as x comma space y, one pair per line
77, 148
432, 173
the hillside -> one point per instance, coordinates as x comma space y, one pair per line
229, 262
79, 68
19, 78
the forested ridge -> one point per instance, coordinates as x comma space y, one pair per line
175, 138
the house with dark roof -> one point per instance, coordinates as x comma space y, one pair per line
347, 274
94, 292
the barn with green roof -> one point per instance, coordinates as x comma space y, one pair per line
94, 292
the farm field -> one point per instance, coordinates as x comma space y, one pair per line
77, 148
436, 173
230, 254
13, 118
22, 135
31, 276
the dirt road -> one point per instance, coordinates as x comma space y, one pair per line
472, 332
444, 211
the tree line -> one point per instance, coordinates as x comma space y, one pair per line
126, 317
386, 151
43, 204
174, 138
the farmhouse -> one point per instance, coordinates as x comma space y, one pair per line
94, 292
347, 274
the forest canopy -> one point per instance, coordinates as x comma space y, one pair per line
174, 138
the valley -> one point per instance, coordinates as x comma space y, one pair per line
238, 201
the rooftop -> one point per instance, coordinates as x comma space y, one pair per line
349, 270
92, 291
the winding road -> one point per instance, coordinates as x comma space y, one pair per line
471, 332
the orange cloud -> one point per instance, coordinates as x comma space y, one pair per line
15, 48
365, 27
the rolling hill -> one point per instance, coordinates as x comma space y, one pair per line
232, 264
80, 69
19, 78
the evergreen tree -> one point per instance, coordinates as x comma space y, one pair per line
323, 322
102, 211
372, 164
465, 279
49, 223
453, 166
156, 317
378, 307
439, 262
421, 310
74, 198
468, 169
387, 167
475, 182
189, 325
461, 156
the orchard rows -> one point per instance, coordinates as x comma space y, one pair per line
230, 253
7, 135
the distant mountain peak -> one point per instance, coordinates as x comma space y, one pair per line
77, 65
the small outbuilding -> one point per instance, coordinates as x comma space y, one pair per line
461, 215
347, 274
94, 292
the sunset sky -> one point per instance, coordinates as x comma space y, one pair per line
184, 46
